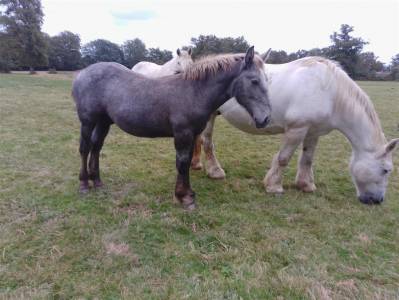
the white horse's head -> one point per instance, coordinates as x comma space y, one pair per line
370, 172
181, 61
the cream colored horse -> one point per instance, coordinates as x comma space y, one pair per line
309, 98
174, 66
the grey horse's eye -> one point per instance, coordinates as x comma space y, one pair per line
385, 171
255, 81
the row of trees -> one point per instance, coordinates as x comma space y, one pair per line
23, 45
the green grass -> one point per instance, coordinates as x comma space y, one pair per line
131, 240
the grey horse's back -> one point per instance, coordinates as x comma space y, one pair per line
92, 84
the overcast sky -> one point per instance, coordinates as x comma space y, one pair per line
286, 24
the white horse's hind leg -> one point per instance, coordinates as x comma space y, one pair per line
304, 178
292, 138
212, 165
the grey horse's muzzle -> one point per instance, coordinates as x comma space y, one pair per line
261, 123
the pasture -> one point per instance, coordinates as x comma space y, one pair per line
130, 240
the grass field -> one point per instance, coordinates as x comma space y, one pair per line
131, 241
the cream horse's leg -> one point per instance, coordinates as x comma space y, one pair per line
292, 138
304, 177
196, 160
212, 165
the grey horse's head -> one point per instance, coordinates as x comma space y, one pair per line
250, 89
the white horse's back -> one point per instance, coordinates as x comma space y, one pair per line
301, 91
176, 65
148, 69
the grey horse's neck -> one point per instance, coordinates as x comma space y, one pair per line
219, 87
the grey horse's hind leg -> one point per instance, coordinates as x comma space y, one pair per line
97, 140
84, 149
213, 168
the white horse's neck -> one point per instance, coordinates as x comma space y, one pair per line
364, 133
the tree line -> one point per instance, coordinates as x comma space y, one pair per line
24, 46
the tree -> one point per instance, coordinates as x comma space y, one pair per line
278, 57
346, 49
211, 44
21, 21
64, 51
395, 67
8, 58
134, 51
368, 65
101, 50
159, 56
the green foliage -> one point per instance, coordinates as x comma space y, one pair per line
101, 50
346, 49
64, 51
211, 44
367, 66
21, 20
159, 56
134, 51
394, 68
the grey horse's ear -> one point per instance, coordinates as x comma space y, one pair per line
265, 56
190, 50
178, 51
249, 56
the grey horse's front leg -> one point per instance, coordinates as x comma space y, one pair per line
184, 144
213, 168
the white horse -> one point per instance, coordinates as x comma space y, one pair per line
174, 66
309, 98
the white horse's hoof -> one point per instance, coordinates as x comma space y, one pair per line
306, 187
216, 173
274, 189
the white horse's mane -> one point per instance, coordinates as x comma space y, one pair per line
350, 97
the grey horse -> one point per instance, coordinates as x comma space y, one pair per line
177, 106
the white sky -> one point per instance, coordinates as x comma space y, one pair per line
282, 25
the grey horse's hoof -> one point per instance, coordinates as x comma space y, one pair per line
84, 188
187, 202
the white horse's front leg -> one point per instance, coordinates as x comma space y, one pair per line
212, 165
273, 179
304, 177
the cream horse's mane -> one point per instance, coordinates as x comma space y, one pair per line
350, 97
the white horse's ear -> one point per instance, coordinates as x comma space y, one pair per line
249, 56
390, 146
178, 51
190, 50
265, 56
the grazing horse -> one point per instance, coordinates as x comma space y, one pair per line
176, 65
309, 98
177, 106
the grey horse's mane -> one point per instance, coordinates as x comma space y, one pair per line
211, 64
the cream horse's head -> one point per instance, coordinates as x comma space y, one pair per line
183, 59
370, 172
